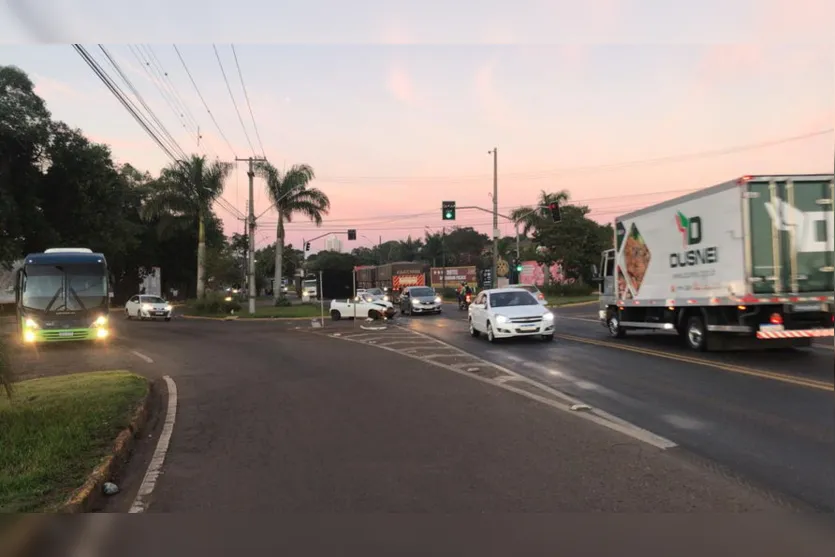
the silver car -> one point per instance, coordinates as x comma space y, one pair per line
419, 299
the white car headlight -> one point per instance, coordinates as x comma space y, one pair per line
548, 316
438, 299
168, 307
501, 319
385, 298
146, 307
415, 302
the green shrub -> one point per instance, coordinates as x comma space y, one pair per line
215, 303
575, 289
282, 301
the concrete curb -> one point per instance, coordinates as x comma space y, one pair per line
88, 494
26, 531
574, 304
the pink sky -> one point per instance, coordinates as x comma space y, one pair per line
393, 131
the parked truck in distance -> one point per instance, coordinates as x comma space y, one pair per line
749, 262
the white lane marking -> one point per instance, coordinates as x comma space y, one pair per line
597, 416
142, 356
140, 503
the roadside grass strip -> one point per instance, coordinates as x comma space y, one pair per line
56, 430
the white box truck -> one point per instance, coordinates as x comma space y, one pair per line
747, 262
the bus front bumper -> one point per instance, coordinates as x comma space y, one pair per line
39, 336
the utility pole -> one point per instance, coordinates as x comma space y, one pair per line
251, 262
494, 268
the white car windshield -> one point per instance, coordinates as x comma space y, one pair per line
151, 300
374, 292
510, 299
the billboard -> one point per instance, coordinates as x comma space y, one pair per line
534, 273
454, 276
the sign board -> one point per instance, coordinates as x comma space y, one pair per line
453, 276
152, 282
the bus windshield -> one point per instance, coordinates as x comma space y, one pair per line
44, 287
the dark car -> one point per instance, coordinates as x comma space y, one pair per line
419, 299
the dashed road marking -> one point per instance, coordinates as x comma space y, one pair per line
142, 356
149, 482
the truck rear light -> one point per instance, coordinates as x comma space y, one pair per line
776, 319
741, 308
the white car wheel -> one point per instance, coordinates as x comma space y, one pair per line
473, 331
127, 313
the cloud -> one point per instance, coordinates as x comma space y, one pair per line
394, 32
495, 107
401, 86
50, 89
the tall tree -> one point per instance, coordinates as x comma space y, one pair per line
291, 193
185, 192
538, 220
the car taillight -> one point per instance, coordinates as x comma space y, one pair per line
776, 319
541, 296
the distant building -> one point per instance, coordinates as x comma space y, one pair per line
333, 243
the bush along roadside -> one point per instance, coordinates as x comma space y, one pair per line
213, 304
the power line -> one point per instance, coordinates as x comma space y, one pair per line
134, 111
590, 168
160, 126
178, 98
231, 96
246, 96
120, 95
158, 81
205, 104
395, 217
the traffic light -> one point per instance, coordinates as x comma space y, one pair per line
352, 234
517, 265
448, 210
554, 208
307, 246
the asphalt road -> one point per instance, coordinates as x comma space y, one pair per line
277, 418
765, 415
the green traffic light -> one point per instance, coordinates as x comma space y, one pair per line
448, 214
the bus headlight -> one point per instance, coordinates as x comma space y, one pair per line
30, 323
101, 332
28, 335
100, 321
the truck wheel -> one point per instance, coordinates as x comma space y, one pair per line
615, 330
695, 334
335, 315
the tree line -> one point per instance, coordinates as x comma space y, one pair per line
58, 188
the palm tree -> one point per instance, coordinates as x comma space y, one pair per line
534, 218
538, 217
184, 193
290, 194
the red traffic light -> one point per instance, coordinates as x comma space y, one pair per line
552, 206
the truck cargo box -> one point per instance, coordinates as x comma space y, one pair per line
756, 236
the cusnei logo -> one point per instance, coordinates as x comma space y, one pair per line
690, 229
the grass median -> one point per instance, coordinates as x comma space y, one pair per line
557, 301
54, 431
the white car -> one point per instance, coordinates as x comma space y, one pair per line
143, 306
375, 293
360, 307
509, 312
533, 290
